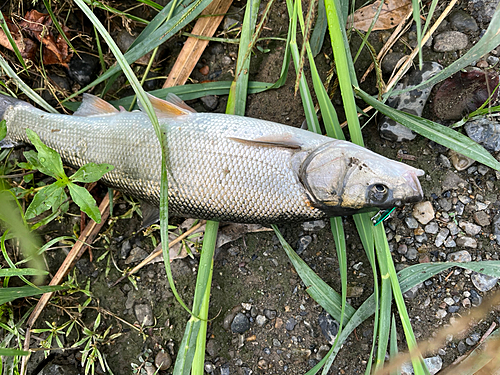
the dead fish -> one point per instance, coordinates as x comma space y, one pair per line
220, 167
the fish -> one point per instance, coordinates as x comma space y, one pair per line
220, 167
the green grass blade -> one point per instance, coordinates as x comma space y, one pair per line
25, 88
57, 25
435, 132
187, 347
148, 109
393, 350
12, 352
11, 293
7, 33
318, 34
153, 40
9, 272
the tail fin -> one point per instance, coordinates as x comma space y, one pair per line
6, 102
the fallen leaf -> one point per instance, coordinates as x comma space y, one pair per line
393, 12
26, 46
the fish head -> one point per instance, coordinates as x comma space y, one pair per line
343, 178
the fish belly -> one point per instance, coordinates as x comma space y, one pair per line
210, 176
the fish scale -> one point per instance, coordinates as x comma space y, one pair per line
221, 167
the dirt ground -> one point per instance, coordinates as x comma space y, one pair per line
253, 275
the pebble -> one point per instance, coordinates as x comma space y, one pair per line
163, 361
411, 102
445, 204
431, 228
412, 252
483, 282
470, 228
461, 347
452, 181
441, 313
449, 301
261, 320
276, 342
315, 225
411, 222
303, 243
459, 161
240, 323
136, 255
450, 41
496, 227
269, 314
463, 21
329, 326
441, 237
423, 212
410, 294
462, 256
434, 364
485, 132
473, 339
492, 60
450, 243
482, 218
144, 314
224, 369
210, 102
125, 249
290, 324
475, 298
209, 367
453, 309
390, 61
402, 249
454, 230
483, 10
467, 242
443, 161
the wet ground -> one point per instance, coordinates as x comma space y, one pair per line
255, 285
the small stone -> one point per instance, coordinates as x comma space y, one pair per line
144, 314
136, 255
125, 249
482, 218
449, 301
163, 361
311, 226
464, 199
276, 342
402, 249
492, 60
482, 169
467, 242
440, 314
443, 161
240, 323
412, 253
445, 204
496, 227
462, 256
434, 364
453, 309
329, 327
303, 243
462, 21
411, 222
485, 132
450, 242
459, 208
423, 212
475, 298
261, 320
470, 228
483, 282
473, 339
452, 181
461, 347
210, 102
466, 302
390, 61
269, 314
480, 206
459, 161
441, 237
209, 367
450, 41
410, 294
454, 230
290, 324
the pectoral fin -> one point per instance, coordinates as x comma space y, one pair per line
275, 140
167, 108
94, 106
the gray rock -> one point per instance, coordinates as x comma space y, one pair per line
136, 255
453, 309
144, 314
315, 225
303, 243
463, 21
473, 339
261, 320
209, 367
390, 60
483, 282
290, 324
329, 326
470, 228
483, 10
411, 222
434, 364
450, 242
441, 237
467, 242
224, 369
443, 161
481, 218
269, 314
462, 256
412, 102
402, 249
210, 102
445, 204
412, 252
431, 228
276, 342
240, 323
485, 132
454, 230
461, 347
125, 249
450, 41
163, 361
410, 294
475, 298
423, 212
492, 60
452, 181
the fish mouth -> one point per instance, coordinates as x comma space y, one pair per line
414, 184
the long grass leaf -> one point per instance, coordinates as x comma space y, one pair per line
7, 33
436, 132
12, 293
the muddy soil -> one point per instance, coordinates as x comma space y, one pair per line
253, 275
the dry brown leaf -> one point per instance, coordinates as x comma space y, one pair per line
25, 45
393, 12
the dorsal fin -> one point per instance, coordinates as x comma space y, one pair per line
94, 106
276, 140
174, 99
165, 109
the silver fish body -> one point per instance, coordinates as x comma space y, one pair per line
221, 167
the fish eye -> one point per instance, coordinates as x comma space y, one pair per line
378, 193
380, 188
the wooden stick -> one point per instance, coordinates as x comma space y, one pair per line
194, 47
